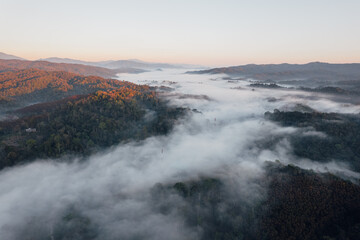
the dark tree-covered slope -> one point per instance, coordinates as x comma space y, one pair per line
342, 140
84, 124
303, 204
298, 204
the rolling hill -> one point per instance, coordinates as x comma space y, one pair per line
84, 124
313, 74
6, 65
22, 87
8, 56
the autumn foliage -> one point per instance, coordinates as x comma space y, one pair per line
40, 86
83, 124
7, 65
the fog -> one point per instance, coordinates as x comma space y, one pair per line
113, 189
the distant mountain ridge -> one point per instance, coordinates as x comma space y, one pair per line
6, 65
314, 74
120, 64
251, 69
135, 65
8, 56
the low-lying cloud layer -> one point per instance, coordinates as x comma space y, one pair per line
111, 192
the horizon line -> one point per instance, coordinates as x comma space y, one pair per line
179, 63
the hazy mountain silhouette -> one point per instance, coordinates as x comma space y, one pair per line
315, 74
115, 64
8, 56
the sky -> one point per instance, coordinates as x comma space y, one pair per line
212, 32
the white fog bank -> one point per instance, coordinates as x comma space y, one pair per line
113, 188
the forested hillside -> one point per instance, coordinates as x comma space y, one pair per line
83, 124
33, 85
6, 65
342, 131
299, 204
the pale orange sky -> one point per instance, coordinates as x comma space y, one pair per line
215, 33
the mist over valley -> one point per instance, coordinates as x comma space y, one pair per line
203, 157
